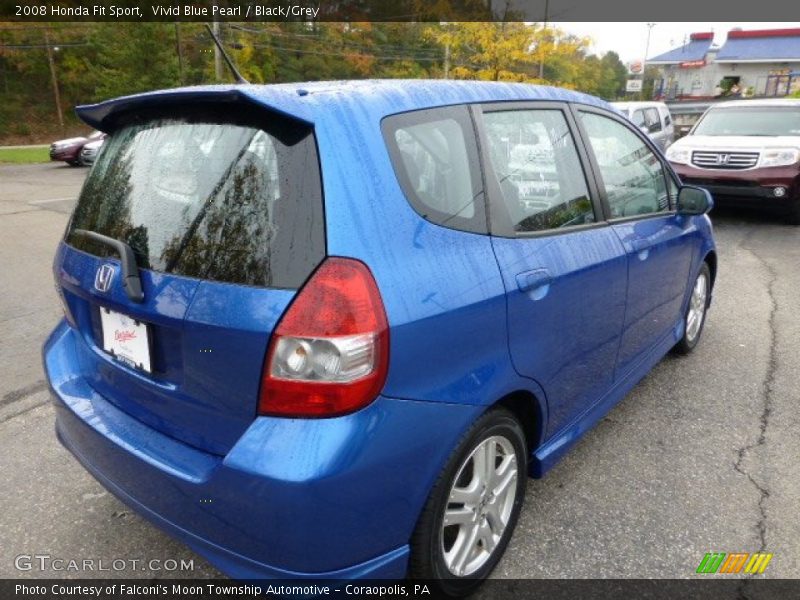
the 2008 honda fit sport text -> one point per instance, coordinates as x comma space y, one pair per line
329, 330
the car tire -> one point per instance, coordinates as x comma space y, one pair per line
482, 506
695, 316
74, 163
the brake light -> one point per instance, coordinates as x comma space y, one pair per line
329, 353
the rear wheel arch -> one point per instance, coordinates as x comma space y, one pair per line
711, 260
528, 410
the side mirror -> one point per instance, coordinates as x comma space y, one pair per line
644, 129
694, 200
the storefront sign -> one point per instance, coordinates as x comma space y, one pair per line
633, 85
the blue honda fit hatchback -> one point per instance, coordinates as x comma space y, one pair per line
328, 330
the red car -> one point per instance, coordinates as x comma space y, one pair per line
69, 150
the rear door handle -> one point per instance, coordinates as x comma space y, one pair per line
639, 244
535, 283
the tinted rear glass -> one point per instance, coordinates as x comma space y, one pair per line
210, 198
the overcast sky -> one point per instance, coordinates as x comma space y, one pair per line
629, 39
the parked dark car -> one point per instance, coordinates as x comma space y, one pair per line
329, 330
69, 150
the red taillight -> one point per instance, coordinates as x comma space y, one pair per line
330, 352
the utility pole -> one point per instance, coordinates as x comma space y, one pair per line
644, 60
53, 78
217, 54
544, 32
447, 60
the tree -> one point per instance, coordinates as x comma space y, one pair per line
488, 51
133, 57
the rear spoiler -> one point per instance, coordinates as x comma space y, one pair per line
103, 115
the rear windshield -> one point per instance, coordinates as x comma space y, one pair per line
205, 197
756, 121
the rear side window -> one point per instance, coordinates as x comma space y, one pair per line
538, 171
435, 157
231, 201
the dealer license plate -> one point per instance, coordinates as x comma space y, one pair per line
126, 339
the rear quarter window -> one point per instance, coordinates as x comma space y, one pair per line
203, 195
435, 158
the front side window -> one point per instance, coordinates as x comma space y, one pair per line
638, 118
536, 165
434, 155
632, 174
194, 196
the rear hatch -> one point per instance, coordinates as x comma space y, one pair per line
224, 215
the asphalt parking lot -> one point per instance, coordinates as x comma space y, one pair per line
702, 456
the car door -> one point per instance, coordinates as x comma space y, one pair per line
564, 269
638, 194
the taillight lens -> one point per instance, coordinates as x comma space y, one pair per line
330, 352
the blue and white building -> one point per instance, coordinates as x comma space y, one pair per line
756, 63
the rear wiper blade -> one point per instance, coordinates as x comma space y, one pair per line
130, 272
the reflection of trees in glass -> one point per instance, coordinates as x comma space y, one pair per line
209, 200
221, 246
105, 203
573, 212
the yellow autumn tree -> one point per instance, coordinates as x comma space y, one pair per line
510, 51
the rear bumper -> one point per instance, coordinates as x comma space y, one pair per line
752, 187
325, 499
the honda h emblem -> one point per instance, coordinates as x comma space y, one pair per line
103, 278
723, 159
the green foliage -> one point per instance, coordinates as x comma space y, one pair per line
133, 57
96, 61
24, 155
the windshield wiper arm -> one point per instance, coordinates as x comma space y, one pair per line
130, 271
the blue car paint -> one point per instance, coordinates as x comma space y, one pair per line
587, 273
339, 497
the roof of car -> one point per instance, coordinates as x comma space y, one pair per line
759, 102
377, 97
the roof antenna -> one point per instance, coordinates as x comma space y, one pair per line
236, 75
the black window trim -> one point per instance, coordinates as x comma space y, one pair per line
493, 194
666, 169
479, 223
